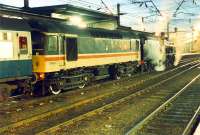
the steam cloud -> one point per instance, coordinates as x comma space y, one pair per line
156, 53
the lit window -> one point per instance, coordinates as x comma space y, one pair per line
1, 36
6, 49
52, 44
23, 45
9, 36
5, 36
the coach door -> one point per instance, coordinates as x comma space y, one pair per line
24, 55
71, 49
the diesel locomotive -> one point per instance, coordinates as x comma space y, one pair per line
47, 56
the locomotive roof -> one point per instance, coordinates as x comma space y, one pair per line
60, 27
67, 9
14, 24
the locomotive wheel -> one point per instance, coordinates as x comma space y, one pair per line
81, 86
117, 77
129, 75
54, 90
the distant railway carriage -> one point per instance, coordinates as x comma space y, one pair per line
170, 51
15, 55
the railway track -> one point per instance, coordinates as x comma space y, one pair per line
21, 101
182, 63
64, 127
176, 116
12, 127
187, 58
102, 107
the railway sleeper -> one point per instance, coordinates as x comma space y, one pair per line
185, 108
172, 116
156, 131
157, 127
159, 124
172, 120
179, 113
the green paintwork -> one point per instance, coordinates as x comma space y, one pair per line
15, 68
102, 45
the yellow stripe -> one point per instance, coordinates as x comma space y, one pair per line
62, 57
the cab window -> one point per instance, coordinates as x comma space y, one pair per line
38, 40
52, 45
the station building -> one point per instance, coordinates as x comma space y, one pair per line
79, 16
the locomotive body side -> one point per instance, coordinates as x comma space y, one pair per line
83, 52
58, 58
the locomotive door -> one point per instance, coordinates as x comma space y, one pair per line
71, 49
61, 45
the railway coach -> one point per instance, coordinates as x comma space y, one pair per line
15, 56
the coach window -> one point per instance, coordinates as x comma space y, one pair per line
52, 45
6, 45
5, 36
23, 45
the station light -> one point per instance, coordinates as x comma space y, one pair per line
77, 20
12, 17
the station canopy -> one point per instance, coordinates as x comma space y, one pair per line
66, 11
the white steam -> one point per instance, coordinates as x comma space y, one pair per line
156, 53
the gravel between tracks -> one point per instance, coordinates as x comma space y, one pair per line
118, 119
11, 115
